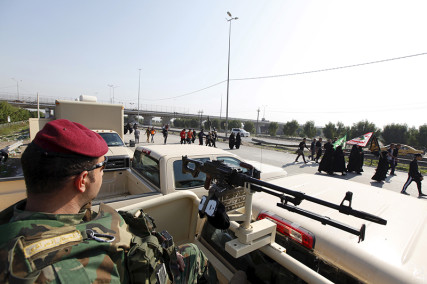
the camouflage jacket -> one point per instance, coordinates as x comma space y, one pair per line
49, 248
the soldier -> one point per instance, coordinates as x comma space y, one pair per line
53, 236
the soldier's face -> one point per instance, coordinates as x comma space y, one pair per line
95, 186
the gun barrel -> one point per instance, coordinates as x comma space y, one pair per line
299, 196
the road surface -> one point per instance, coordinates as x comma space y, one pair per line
286, 161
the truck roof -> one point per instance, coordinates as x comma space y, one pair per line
162, 151
268, 172
394, 253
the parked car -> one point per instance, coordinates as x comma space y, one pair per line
404, 150
243, 132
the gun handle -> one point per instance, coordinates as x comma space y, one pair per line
208, 181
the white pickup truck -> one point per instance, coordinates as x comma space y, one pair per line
157, 169
282, 247
154, 170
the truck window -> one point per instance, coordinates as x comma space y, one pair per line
232, 162
112, 139
185, 181
147, 167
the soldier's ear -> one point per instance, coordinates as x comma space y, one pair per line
80, 181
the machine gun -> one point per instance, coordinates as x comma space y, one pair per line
234, 189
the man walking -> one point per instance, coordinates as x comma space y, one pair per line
165, 131
300, 150
136, 133
414, 175
395, 154
312, 149
318, 149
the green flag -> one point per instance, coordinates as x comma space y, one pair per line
340, 142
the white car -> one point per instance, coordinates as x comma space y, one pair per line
243, 132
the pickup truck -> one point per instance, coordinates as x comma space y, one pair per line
157, 169
284, 247
281, 246
154, 170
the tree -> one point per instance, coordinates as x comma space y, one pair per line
330, 130
309, 129
15, 113
215, 123
414, 135
234, 124
395, 133
422, 136
249, 127
194, 123
272, 128
290, 128
342, 130
363, 127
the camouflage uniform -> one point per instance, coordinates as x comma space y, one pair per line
72, 248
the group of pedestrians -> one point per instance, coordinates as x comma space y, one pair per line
387, 160
210, 137
234, 140
333, 159
187, 137
150, 132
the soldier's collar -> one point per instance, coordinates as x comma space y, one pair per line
20, 214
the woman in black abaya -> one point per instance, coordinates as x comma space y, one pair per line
327, 162
238, 140
382, 168
231, 140
355, 160
339, 161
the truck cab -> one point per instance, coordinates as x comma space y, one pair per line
119, 155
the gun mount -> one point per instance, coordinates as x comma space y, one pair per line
233, 189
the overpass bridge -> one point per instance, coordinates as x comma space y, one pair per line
47, 104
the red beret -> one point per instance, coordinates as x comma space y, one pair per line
66, 137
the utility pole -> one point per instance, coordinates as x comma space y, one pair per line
200, 112
228, 69
139, 88
257, 118
17, 86
112, 88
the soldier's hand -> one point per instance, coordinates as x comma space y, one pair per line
180, 260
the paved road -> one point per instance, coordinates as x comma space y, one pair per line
286, 161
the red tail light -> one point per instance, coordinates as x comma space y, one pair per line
292, 230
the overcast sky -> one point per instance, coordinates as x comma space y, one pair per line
63, 49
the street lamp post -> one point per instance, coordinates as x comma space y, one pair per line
113, 87
17, 86
139, 88
228, 71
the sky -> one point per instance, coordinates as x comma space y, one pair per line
322, 61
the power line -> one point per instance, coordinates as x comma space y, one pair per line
296, 74
187, 94
333, 68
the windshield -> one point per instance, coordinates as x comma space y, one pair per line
184, 181
112, 139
